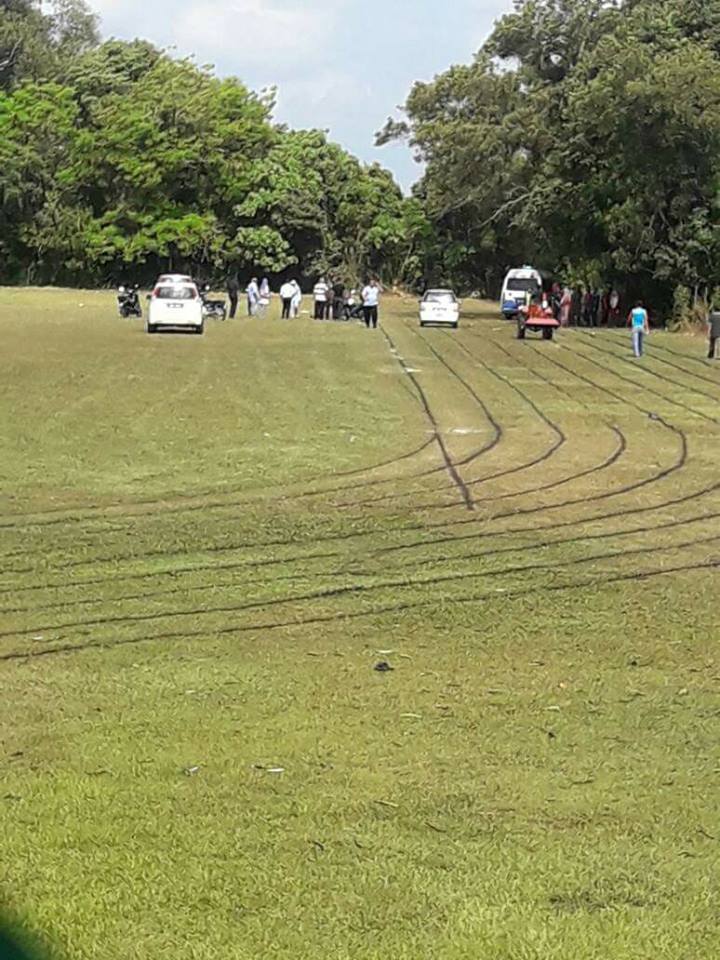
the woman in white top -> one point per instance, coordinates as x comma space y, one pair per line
371, 302
265, 296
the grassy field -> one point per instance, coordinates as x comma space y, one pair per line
209, 544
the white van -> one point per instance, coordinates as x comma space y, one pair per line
518, 284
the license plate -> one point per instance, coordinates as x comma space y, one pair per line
176, 306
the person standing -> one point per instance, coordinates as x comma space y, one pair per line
576, 307
265, 297
639, 322
287, 292
233, 290
614, 308
296, 300
253, 297
600, 313
349, 304
371, 304
714, 331
565, 307
320, 294
339, 292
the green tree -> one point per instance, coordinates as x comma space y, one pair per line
585, 137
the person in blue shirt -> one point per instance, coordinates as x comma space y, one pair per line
639, 323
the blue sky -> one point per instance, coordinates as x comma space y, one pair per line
341, 65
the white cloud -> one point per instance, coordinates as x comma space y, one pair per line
261, 32
271, 36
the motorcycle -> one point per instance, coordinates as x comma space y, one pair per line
128, 301
213, 309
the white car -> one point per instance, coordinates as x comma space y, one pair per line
441, 308
175, 303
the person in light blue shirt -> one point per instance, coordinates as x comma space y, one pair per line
639, 323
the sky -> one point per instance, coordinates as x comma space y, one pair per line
339, 65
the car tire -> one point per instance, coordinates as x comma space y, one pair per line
520, 332
200, 330
455, 326
151, 328
548, 333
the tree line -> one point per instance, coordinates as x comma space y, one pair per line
584, 138
117, 159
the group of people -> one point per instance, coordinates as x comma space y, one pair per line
335, 301
583, 307
332, 301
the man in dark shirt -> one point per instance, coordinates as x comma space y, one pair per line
338, 300
233, 289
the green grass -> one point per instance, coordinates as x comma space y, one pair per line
209, 544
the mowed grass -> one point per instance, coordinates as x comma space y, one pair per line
209, 544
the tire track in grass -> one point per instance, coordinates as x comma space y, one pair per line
604, 465
523, 550
354, 534
10, 522
652, 354
198, 501
481, 403
677, 403
679, 465
351, 590
328, 619
449, 463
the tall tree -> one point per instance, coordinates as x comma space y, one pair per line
584, 136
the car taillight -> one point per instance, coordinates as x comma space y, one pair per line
155, 292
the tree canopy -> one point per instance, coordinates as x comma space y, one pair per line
585, 137
116, 158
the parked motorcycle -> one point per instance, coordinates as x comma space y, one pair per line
213, 309
128, 301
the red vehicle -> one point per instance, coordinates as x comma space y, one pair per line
539, 318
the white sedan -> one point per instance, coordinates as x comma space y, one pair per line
175, 303
441, 308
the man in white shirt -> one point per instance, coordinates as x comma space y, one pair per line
321, 298
287, 292
371, 302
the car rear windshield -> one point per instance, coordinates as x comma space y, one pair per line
176, 293
440, 296
521, 285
